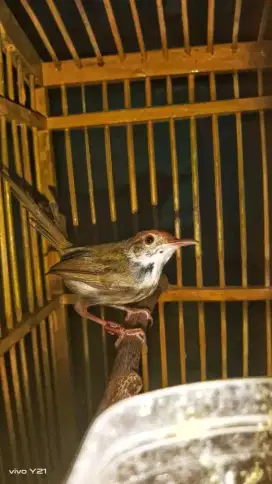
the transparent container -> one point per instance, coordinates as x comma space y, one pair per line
210, 432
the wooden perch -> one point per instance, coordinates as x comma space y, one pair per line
125, 380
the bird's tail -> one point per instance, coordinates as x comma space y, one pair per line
38, 217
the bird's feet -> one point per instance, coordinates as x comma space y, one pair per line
121, 332
135, 315
81, 308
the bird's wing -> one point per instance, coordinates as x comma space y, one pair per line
83, 265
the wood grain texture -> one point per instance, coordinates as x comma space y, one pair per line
247, 56
160, 113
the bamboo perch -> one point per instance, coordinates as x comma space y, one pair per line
125, 380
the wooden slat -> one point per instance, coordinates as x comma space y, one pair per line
114, 28
236, 23
220, 225
177, 223
20, 41
38, 26
27, 324
242, 217
267, 261
89, 31
13, 111
163, 348
264, 18
162, 26
185, 26
64, 32
88, 162
210, 28
197, 230
211, 294
161, 113
137, 26
69, 158
247, 56
131, 157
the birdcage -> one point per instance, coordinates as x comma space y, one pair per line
140, 114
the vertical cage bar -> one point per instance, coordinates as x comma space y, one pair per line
32, 431
185, 26
163, 346
236, 23
9, 55
267, 261
109, 158
210, 27
131, 159
89, 30
85, 323
220, 225
197, 230
38, 290
114, 28
112, 203
151, 155
87, 370
10, 226
33, 17
162, 26
68, 150
134, 205
5, 264
176, 206
264, 19
88, 162
30, 299
19, 410
16, 289
58, 319
21, 87
64, 32
137, 26
9, 416
38, 378
242, 209
2, 77
40, 298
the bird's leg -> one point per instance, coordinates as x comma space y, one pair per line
134, 313
81, 307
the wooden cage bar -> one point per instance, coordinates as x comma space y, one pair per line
89, 31
185, 26
249, 56
40, 30
64, 32
114, 28
197, 230
35, 350
220, 225
138, 29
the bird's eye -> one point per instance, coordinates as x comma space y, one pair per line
149, 239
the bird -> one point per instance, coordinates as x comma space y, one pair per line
114, 274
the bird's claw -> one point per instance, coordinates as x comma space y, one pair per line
121, 332
134, 314
135, 333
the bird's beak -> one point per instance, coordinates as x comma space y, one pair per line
182, 242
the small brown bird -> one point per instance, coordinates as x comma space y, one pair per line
113, 274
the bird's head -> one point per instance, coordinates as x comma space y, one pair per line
154, 246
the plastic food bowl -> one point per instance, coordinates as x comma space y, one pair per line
210, 432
